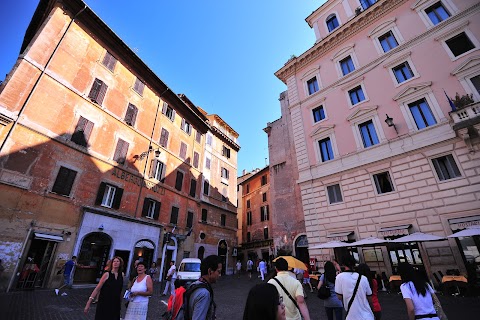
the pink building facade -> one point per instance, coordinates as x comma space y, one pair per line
359, 176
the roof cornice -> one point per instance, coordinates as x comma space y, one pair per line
343, 33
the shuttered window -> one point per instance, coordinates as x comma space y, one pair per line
64, 181
193, 187
82, 132
179, 181
131, 115
186, 126
164, 138
139, 86
157, 169
207, 163
223, 220
198, 136
168, 111
151, 209
109, 61
183, 151
109, 196
196, 158
174, 215
121, 151
189, 219
204, 215
98, 91
226, 152
264, 213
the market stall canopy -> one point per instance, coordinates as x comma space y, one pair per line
469, 232
331, 245
369, 242
293, 262
418, 237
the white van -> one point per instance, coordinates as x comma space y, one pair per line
188, 270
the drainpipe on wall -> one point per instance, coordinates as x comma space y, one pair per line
15, 122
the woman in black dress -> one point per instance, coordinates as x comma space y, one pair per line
110, 288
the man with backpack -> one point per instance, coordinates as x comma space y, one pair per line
198, 302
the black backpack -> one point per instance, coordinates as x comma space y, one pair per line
184, 312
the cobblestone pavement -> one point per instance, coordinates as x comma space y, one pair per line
230, 296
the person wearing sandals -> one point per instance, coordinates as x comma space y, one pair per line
353, 289
416, 293
141, 291
332, 304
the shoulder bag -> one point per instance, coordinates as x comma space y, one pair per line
354, 294
324, 291
287, 293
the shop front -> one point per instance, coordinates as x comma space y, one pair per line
469, 247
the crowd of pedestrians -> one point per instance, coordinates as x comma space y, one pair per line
349, 291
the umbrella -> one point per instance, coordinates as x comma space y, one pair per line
293, 262
331, 245
469, 232
368, 242
418, 237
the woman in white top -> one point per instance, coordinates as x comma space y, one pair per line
417, 294
142, 289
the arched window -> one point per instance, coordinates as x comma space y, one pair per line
332, 22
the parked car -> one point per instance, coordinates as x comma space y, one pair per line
188, 270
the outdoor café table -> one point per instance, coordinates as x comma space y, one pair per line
454, 281
395, 282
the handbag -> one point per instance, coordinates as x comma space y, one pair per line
438, 307
324, 291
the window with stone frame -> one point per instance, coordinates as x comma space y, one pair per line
64, 181
249, 218
121, 150
109, 61
189, 220
183, 151
223, 219
174, 215
460, 44
151, 209
179, 181
139, 86
334, 194
383, 182
446, 167
388, 41
206, 187
164, 138
437, 13
168, 111
157, 169
82, 132
98, 91
131, 115
196, 159
109, 196
193, 188
204, 215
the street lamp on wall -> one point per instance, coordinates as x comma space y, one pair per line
389, 122
144, 154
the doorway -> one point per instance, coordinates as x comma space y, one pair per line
93, 257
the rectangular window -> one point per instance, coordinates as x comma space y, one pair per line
312, 85
64, 181
168, 111
164, 137
265, 233
347, 65
109, 61
204, 215
368, 133
121, 150
131, 115
196, 158
446, 167
264, 180
209, 139
186, 126
248, 188
193, 188
318, 114
332, 23
249, 218
183, 151
189, 219
207, 163
225, 173
151, 209
326, 151
460, 44
109, 196
139, 86
206, 187
388, 41
223, 220
98, 91
174, 215
249, 237
82, 132
198, 136
402, 72
422, 114
437, 13
383, 182
356, 95
334, 193
264, 213
248, 204
476, 83
226, 152
179, 181
157, 170
264, 196
367, 3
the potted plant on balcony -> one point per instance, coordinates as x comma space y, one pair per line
461, 102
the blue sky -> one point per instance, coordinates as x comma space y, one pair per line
221, 53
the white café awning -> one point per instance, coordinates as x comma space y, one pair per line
48, 237
395, 231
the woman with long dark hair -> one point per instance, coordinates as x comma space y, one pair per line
364, 270
417, 293
109, 291
264, 303
332, 304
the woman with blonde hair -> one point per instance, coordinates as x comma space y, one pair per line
109, 291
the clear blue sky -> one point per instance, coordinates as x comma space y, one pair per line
221, 53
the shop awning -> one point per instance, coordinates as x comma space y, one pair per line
462, 223
48, 237
395, 231
340, 236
